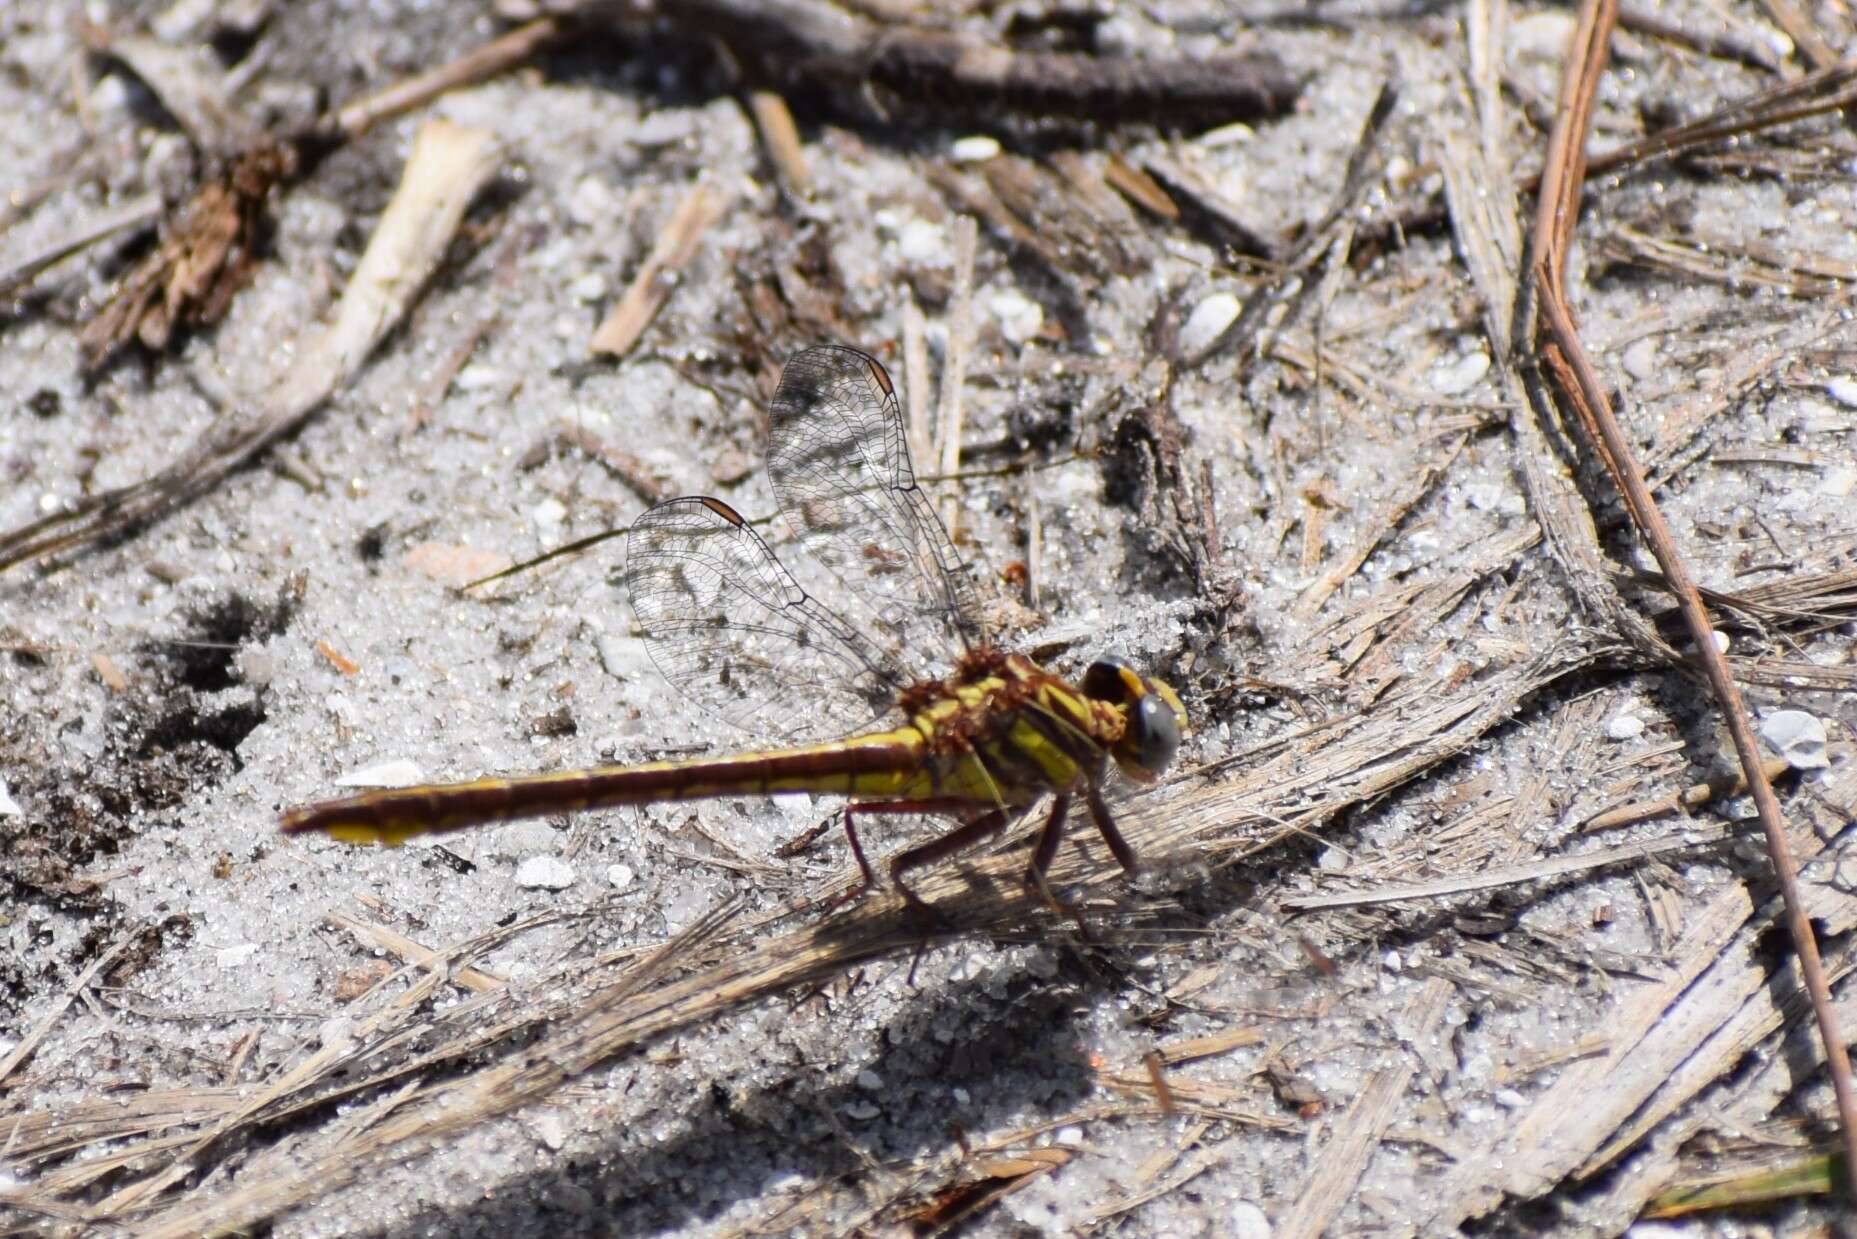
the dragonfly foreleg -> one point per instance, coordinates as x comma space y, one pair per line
1105, 822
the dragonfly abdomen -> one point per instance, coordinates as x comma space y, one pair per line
882, 764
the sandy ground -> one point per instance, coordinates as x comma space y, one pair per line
168, 693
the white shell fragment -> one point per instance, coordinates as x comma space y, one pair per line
1843, 390
1798, 737
1208, 319
399, 772
977, 149
546, 873
1248, 1221
1461, 375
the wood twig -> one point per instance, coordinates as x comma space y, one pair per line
661, 272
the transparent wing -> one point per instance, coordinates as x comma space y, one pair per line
839, 464
729, 627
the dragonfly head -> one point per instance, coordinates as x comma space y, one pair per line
1155, 718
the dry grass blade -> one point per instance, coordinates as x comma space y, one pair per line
1666, 1043
781, 137
1735, 264
1341, 1165
1827, 89
131, 216
1686, 801
1564, 360
30, 1042
1293, 285
190, 84
1514, 875
497, 56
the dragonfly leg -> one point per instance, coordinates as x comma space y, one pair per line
963, 836
895, 807
1048, 839
1042, 855
1105, 822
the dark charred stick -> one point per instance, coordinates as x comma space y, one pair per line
802, 44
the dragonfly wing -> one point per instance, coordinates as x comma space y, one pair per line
729, 626
839, 463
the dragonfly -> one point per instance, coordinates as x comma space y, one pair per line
892, 697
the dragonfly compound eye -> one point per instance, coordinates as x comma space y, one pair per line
1111, 679
1155, 729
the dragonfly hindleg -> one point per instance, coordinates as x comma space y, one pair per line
961, 837
944, 804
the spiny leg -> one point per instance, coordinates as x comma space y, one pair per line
1105, 822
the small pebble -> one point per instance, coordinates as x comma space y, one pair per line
590, 202
399, 772
549, 513
109, 94
1226, 135
1542, 36
589, 287
546, 873
1640, 359
1020, 318
478, 376
1839, 483
231, 957
256, 667
1798, 737
977, 149
1721, 640
9, 807
1208, 319
870, 1081
1624, 727
551, 1129
1509, 1099
620, 876
862, 1111
1249, 1221
1843, 390
922, 243
1463, 374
